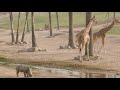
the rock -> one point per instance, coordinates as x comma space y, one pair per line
23, 50
94, 58
61, 47
76, 58
68, 47
85, 58
24, 42
65, 47
19, 42
42, 50
10, 43
32, 49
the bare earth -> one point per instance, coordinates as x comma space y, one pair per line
110, 60
10, 72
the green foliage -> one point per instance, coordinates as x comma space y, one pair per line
41, 18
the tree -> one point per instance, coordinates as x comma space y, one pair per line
34, 44
57, 20
71, 41
17, 34
28, 30
114, 15
107, 15
88, 17
50, 23
11, 23
25, 26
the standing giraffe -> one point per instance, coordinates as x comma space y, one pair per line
102, 33
83, 38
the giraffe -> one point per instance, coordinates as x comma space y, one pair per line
82, 38
102, 33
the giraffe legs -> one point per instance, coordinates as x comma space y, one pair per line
80, 58
102, 46
88, 50
94, 49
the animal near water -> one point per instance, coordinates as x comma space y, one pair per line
25, 69
83, 38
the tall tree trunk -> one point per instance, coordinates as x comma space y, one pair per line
91, 42
28, 30
34, 44
107, 15
88, 17
17, 34
57, 20
50, 23
114, 15
11, 23
23, 34
71, 42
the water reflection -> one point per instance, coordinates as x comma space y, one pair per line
98, 75
77, 73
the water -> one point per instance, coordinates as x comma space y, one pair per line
75, 73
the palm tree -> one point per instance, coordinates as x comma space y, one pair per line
23, 34
50, 23
34, 44
57, 20
88, 17
71, 41
17, 34
11, 23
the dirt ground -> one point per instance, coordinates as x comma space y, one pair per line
10, 72
110, 59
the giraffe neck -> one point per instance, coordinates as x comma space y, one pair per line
89, 26
109, 27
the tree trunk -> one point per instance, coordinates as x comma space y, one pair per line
91, 43
50, 23
107, 15
57, 20
28, 30
71, 42
34, 44
88, 17
17, 34
11, 23
23, 34
114, 15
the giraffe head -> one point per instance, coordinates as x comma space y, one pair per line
116, 20
93, 19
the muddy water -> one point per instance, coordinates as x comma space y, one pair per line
75, 73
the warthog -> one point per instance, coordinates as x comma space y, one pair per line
25, 69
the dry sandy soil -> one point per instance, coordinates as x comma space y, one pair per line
110, 60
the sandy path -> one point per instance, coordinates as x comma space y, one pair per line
110, 59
